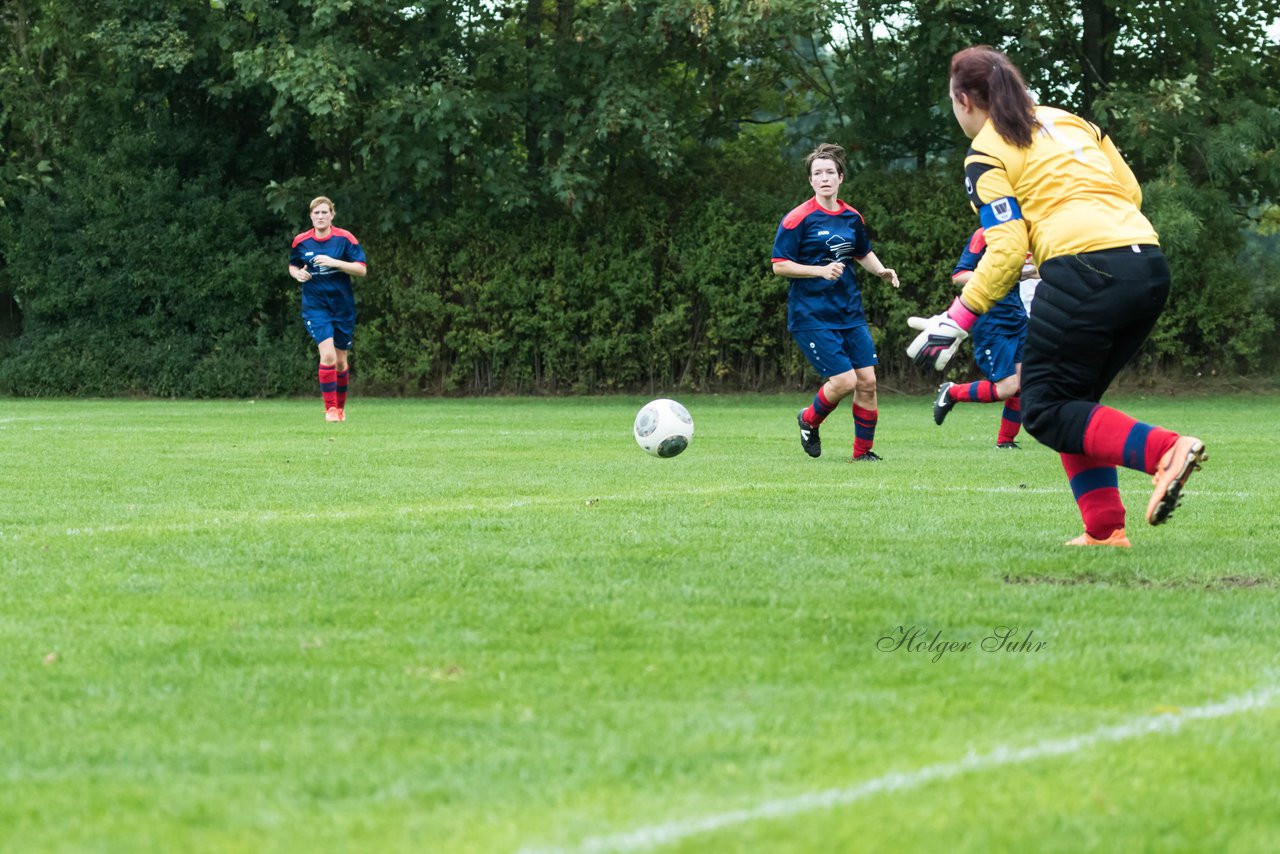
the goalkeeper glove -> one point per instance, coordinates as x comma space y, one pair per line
940, 335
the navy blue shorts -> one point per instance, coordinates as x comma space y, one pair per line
998, 354
837, 351
322, 326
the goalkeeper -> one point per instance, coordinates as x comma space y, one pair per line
1044, 179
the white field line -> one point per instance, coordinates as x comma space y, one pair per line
669, 833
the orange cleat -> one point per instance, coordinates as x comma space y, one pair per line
1171, 475
1116, 540
342, 415
333, 413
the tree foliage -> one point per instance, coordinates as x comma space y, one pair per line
569, 195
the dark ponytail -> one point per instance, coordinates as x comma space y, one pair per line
994, 83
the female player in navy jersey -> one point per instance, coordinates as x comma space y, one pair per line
813, 247
998, 338
323, 260
1044, 179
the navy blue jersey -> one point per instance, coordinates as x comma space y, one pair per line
814, 236
1007, 315
329, 290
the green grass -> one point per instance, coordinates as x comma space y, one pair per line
488, 625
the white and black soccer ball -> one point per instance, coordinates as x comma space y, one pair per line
663, 428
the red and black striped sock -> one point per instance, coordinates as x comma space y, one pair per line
982, 391
342, 377
1097, 492
329, 385
1010, 420
819, 409
864, 429
1115, 438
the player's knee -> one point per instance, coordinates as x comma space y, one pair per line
845, 384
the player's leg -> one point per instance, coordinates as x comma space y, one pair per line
1002, 362
1009, 390
866, 408
342, 341
993, 353
825, 352
1096, 489
1092, 314
1090, 319
328, 374
320, 327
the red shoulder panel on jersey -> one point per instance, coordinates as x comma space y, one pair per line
799, 212
301, 237
978, 242
342, 232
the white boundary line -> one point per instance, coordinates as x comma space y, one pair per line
658, 835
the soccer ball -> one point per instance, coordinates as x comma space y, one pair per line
663, 428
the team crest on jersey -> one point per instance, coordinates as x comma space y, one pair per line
1002, 210
841, 247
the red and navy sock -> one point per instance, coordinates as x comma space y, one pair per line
1010, 420
983, 391
329, 385
864, 429
1097, 492
1115, 438
342, 377
819, 409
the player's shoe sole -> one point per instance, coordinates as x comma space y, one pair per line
942, 404
1008, 446
1116, 540
1171, 476
809, 438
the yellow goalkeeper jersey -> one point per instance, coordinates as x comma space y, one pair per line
1069, 192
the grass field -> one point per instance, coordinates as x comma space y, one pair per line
497, 625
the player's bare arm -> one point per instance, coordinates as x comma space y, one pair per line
349, 267
872, 265
792, 270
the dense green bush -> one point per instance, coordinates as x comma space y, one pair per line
673, 292
140, 273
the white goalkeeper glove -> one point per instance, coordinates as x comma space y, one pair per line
940, 335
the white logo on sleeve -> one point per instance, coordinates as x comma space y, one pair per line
1002, 209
